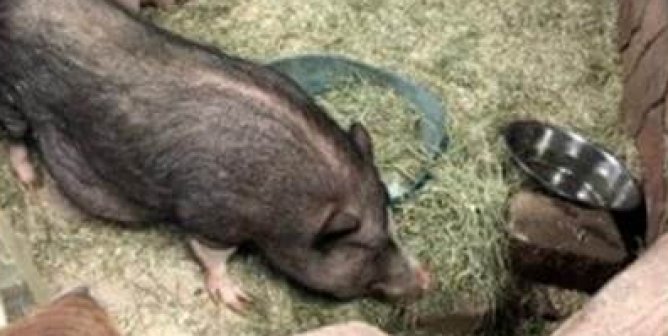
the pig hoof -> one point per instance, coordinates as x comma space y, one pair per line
231, 295
23, 168
218, 282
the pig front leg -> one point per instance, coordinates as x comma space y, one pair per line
218, 282
19, 159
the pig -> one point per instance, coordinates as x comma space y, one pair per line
136, 124
73, 313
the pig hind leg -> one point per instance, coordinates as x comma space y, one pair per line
218, 282
82, 185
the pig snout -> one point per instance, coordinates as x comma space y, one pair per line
406, 280
412, 289
423, 278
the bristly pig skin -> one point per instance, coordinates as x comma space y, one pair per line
136, 124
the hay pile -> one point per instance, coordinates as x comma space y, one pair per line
491, 61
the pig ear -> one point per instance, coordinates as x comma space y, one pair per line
336, 227
362, 140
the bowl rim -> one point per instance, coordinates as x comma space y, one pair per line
572, 134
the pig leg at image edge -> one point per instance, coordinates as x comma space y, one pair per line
20, 161
218, 282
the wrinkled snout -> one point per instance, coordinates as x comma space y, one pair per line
406, 280
420, 284
423, 278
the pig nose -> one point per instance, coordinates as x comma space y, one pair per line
423, 278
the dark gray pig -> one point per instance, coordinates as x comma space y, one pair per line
137, 125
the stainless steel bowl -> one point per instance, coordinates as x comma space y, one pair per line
567, 164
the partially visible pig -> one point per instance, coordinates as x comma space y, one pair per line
75, 313
136, 124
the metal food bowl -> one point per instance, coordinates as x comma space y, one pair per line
567, 164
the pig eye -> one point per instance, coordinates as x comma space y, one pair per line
325, 242
336, 228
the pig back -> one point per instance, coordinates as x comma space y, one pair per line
187, 146
164, 120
